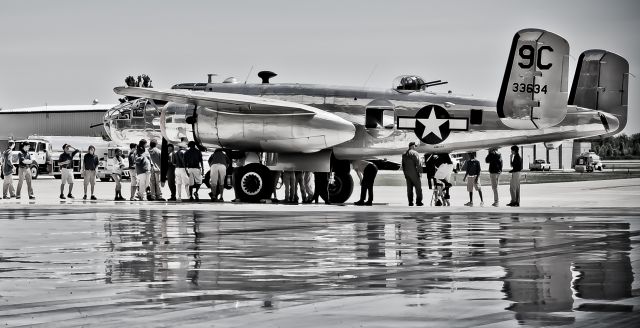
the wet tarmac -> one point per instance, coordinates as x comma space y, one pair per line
118, 267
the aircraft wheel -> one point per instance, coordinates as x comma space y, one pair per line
34, 172
342, 188
253, 183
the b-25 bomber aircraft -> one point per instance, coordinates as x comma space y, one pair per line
320, 128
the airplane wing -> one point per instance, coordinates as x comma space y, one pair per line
240, 104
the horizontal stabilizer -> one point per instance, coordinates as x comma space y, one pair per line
241, 104
601, 83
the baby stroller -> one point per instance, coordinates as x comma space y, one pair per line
440, 196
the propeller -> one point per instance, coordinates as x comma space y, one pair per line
164, 160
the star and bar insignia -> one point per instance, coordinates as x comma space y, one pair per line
432, 124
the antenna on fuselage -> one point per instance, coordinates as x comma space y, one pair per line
370, 74
251, 70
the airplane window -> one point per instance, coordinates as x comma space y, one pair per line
475, 117
42, 147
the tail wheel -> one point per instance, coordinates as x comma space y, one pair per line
342, 188
34, 172
253, 183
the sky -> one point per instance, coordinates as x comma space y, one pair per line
71, 52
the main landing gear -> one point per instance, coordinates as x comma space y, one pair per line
253, 182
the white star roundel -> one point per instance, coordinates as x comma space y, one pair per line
433, 124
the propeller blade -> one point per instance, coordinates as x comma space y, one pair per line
164, 160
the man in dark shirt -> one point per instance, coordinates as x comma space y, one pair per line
171, 171
24, 170
132, 170
90, 164
412, 171
473, 173
66, 169
495, 168
193, 161
516, 167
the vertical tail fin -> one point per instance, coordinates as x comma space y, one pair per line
601, 82
535, 84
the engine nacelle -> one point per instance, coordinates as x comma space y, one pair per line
239, 127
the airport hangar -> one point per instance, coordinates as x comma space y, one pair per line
83, 120
73, 120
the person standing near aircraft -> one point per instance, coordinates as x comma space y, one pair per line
143, 167
367, 172
171, 171
156, 162
299, 176
182, 176
473, 173
289, 181
24, 173
218, 163
66, 169
412, 172
495, 168
132, 170
309, 186
117, 173
193, 161
7, 170
90, 161
516, 167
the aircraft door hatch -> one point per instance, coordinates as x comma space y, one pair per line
379, 114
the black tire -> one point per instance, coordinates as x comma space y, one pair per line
58, 177
253, 183
341, 189
34, 172
107, 179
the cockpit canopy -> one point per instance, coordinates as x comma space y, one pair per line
408, 83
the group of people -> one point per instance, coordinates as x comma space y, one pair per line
185, 170
440, 167
24, 171
494, 159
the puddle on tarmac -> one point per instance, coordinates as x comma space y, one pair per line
453, 270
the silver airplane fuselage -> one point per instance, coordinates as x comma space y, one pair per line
376, 114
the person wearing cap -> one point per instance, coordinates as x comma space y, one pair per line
118, 170
66, 169
514, 185
412, 171
90, 164
182, 175
7, 171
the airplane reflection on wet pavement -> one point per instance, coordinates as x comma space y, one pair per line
180, 268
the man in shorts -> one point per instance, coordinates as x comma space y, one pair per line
182, 176
66, 169
193, 162
473, 173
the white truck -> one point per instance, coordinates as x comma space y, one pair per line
40, 150
588, 162
107, 163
